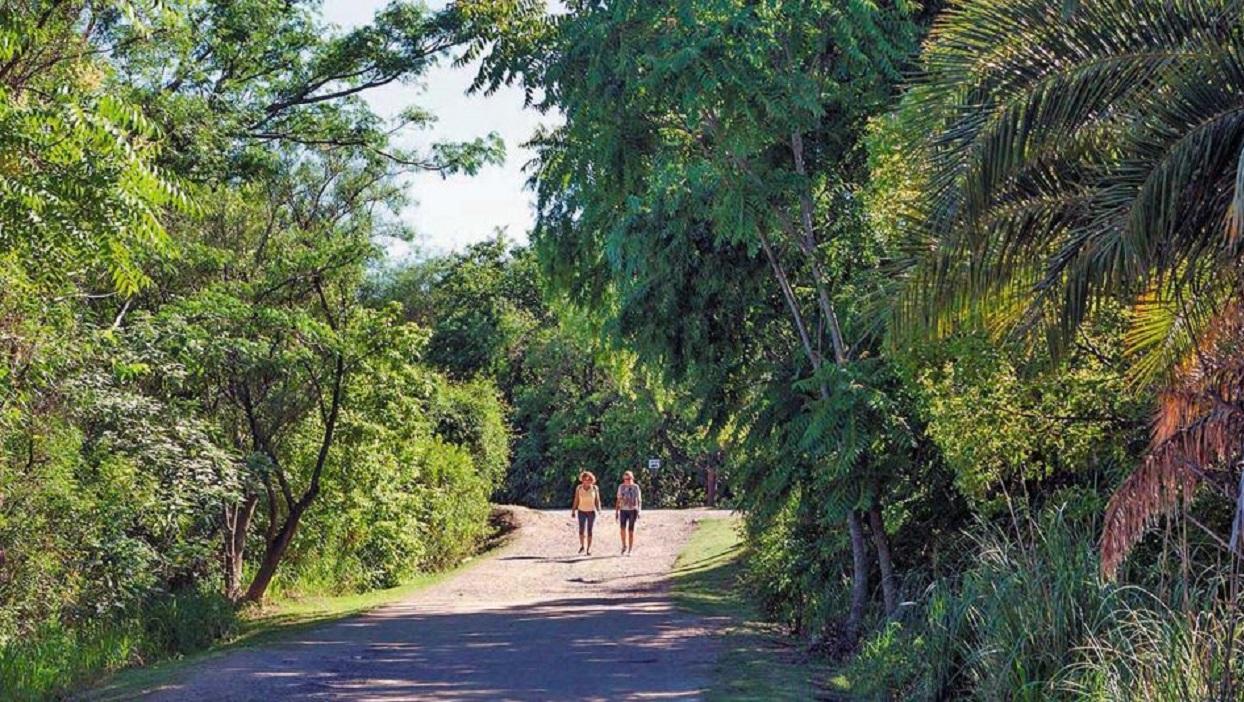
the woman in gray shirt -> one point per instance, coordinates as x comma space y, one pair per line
626, 510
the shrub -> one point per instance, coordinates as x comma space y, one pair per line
55, 657
1032, 620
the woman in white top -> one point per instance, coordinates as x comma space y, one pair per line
626, 510
586, 504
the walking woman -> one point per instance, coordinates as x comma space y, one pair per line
586, 504
627, 507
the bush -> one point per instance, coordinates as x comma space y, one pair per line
1032, 620
414, 492
796, 569
55, 658
188, 622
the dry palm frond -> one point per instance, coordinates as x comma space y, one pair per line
1199, 427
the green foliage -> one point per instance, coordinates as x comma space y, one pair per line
420, 458
1082, 165
234, 82
702, 198
572, 406
750, 255
479, 304
79, 184
574, 414
1029, 618
52, 660
189, 193
1003, 419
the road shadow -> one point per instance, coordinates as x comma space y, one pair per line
560, 559
580, 648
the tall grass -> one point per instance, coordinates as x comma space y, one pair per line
52, 660
1030, 619
1152, 652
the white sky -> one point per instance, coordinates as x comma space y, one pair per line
449, 213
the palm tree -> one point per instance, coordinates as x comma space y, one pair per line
1086, 152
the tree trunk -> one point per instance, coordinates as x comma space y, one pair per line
881, 542
273, 554
710, 486
237, 523
859, 577
804, 234
278, 541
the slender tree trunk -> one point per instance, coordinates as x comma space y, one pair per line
273, 553
859, 577
807, 243
805, 235
237, 523
881, 542
278, 543
788, 293
859, 547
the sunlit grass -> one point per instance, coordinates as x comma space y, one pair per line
756, 662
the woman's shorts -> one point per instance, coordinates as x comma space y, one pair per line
628, 517
586, 520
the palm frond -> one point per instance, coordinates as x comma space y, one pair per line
1104, 142
1164, 328
1197, 430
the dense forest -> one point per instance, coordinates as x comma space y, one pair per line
945, 295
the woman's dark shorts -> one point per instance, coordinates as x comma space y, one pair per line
586, 520
628, 518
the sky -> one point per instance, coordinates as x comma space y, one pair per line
450, 213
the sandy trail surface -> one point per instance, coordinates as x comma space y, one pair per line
533, 621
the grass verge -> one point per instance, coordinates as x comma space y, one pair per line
756, 662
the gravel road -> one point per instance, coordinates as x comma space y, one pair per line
533, 621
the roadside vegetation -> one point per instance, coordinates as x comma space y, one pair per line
216, 390
945, 298
261, 626
757, 661
956, 285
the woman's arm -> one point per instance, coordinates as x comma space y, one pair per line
599, 508
574, 500
639, 498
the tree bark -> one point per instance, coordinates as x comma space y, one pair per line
881, 542
237, 523
273, 553
278, 543
859, 577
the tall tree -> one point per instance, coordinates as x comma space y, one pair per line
261, 105
702, 175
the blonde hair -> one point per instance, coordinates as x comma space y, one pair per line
628, 474
587, 474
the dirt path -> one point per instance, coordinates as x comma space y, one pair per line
533, 622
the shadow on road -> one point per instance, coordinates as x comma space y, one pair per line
567, 649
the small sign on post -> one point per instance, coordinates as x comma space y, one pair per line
654, 464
